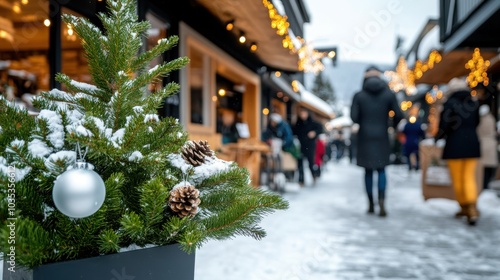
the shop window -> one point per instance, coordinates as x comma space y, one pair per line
229, 102
229, 109
24, 43
199, 86
210, 70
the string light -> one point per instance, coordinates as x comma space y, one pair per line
230, 25
433, 95
478, 67
242, 38
253, 47
46, 22
16, 7
405, 105
265, 111
309, 58
421, 67
295, 85
70, 33
429, 99
280, 23
402, 78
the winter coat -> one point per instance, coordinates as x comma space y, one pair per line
370, 109
229, 134
487, 138
413, 134
320, 152
282, 131
457, 124
301, 129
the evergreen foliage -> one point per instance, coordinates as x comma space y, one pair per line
137, 154
323, 89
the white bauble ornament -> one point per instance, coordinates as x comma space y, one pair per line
79, 192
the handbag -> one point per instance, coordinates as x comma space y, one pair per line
437, 175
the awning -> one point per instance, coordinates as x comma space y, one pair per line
452, 65
314, 103
252, 17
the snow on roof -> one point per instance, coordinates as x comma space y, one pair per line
312, 100
341, 122
429, 42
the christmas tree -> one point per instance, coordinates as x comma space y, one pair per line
323, 89
160, 188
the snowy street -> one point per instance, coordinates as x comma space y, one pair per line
326, 234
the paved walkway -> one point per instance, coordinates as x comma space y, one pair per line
327, 235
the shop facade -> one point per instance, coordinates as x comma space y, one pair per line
225, 79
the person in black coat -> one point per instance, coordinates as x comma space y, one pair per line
458, 124
370, 110
307, 131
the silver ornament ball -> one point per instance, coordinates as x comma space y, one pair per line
79, 192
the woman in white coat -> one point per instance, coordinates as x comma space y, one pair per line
486, 131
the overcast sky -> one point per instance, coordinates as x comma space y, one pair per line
366, 30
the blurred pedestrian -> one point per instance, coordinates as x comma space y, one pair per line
413, 134
458, 123
228, 128
488, 140
320, 152
370, 109
278, 128
339, 142
307, 130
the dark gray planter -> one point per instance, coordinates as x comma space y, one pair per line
158, 263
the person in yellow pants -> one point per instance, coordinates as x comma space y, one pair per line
463, 172
458, 122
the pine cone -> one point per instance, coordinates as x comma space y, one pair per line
194, 153
184, 201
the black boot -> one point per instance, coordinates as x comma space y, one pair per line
371, 206
382, 212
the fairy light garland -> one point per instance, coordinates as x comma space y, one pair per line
309, 58
422, 67
280, 23
478, 67
402, 78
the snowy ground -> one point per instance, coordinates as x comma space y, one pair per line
327, 235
